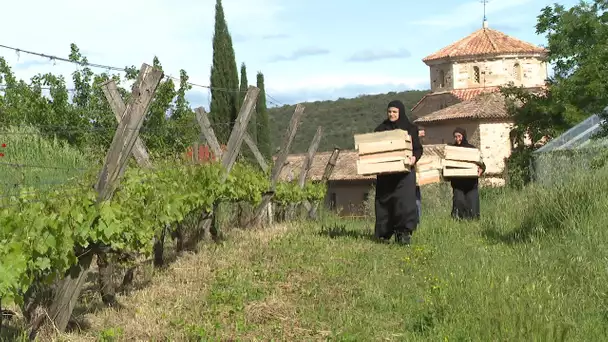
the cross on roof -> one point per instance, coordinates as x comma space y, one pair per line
484, 2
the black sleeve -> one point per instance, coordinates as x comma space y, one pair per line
416, 145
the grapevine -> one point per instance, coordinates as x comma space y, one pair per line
40, 231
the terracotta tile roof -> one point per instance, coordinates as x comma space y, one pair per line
485, 41
486, 106
460, 94
346, 165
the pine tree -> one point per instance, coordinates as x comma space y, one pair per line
263, 130
224, 78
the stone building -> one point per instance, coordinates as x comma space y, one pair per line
465, 79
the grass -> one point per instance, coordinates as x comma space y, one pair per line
31, 161
532, 269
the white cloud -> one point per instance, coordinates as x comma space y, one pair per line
121, 33
328, 82
469, 13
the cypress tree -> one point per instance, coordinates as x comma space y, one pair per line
224, 78
243, 92
263, 130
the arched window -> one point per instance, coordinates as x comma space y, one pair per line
517, 72
441, 78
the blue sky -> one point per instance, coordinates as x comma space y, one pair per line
308, 50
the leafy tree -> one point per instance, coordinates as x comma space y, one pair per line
262, 124
224, 78
578, 46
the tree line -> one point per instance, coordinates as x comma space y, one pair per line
83, 118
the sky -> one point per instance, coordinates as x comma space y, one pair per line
308, 50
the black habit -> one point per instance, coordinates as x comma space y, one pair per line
465, 200
395, 201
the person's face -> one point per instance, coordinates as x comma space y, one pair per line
458, 138
393, 114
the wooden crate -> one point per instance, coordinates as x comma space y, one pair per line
460, 172
462, 154
461, 162
430, 176
383, 152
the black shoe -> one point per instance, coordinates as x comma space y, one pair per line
403, 238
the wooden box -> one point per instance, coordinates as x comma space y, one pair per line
428, 170
462, 154
429, 176
383, 152
461, 162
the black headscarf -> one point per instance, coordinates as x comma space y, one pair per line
465, 142
403, 122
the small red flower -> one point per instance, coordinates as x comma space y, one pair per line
3, 145
1, 155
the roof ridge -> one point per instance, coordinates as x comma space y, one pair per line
490, 39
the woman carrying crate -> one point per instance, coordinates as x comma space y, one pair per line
465, 191
395, 202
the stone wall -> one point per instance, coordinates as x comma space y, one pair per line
433, 103
495, 145
441, 77
441, 133
529, 72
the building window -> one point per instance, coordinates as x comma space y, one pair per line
517, 72
332, 201
441, 79
476, 74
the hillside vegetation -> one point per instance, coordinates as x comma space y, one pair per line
341, 119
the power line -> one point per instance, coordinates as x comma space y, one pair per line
114, 68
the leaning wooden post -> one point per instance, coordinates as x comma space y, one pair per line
329, 168
142, 157
69, 288
234, 144
279, 163
307, 165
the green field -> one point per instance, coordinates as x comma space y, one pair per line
532, 269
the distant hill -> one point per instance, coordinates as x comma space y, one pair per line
341, 119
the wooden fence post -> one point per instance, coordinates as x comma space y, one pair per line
69, 288
307, 165
329, 168
140, 153
279, 163
232, 150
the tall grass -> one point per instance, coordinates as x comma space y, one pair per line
32, 161
533, 268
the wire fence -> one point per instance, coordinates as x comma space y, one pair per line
573, 151
34, 162
269, 99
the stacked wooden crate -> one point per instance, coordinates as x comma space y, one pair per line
383, 152
428, 170
461, 162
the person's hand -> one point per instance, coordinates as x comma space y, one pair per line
479, 171
412, 160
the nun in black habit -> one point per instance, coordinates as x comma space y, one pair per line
395, 202
465, 200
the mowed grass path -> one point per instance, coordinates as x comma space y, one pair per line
534, 268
